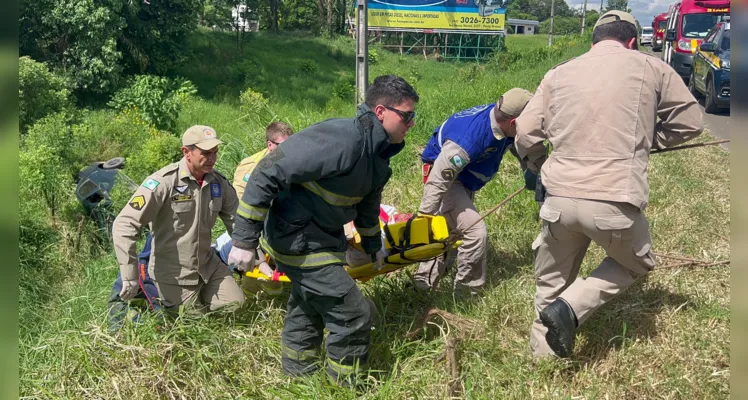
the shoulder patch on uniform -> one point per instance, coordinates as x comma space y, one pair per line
457, 161
151, 184
246, 177
137, 202
448, 174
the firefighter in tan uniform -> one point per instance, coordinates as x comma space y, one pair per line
602, 113
181, 203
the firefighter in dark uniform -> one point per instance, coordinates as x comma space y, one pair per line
299, 197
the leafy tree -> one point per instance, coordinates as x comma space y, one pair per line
155, 37
47, 162
332, 15
300, 15
539, 8
566, 25
92, 42
40, 92
521, 15
77, 37
158, 99
590, 19
274, 14
561, 25
217, 14
622, 5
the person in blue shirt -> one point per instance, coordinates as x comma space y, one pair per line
462, 156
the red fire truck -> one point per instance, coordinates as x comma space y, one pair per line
688, 23
659, 25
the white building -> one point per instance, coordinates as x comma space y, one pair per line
238, 15
523, 26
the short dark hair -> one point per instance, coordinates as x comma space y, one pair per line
276, 130
389, 90
621, 31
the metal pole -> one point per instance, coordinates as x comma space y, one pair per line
550, 34
362, 51
584, 15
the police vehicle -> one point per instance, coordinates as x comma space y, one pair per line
710, 72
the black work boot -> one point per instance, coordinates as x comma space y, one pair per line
561, 322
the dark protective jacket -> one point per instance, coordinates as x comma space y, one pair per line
317, 180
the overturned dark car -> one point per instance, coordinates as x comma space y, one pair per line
95, 184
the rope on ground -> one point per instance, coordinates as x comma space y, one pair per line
455, 235
689, 146
462, 328
687, 262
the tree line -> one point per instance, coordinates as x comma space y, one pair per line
567, 20
94, 44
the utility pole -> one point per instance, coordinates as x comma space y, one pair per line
550, 34
584, 15
362, 50
601, 7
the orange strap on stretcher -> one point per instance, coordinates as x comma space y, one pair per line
419, 238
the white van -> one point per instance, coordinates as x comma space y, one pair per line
646, 36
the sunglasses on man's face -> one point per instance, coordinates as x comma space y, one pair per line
406, 116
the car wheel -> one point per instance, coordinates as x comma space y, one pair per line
692, 86
114, 163
710, 103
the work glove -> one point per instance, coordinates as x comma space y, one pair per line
129, 290
378, 259
531, 180
242, 259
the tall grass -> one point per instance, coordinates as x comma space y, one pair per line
666, 337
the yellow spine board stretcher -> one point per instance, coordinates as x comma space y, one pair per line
428, 239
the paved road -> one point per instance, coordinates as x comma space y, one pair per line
718, 124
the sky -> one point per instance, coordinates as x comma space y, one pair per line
644, 10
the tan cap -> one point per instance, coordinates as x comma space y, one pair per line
204, 137
613, 16
514, 101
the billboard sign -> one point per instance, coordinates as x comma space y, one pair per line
437, 15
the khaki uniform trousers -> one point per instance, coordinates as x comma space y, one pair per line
220, 291
569, 225
460, 212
